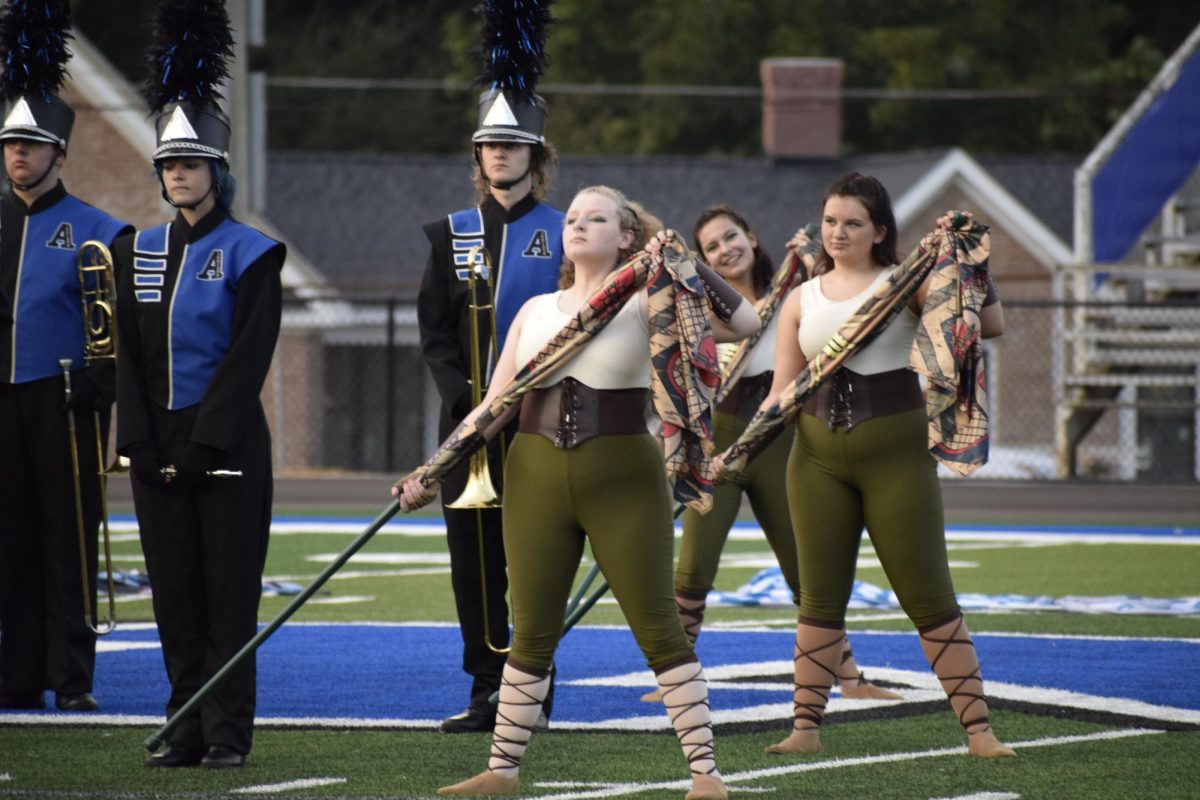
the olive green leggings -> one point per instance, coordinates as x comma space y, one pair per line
611, 490
764, 483
878, 474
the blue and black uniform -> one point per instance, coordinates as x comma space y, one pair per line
524, 244
47, 643
198, 322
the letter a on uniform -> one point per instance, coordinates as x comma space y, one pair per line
62, 238
212, 268
539, 245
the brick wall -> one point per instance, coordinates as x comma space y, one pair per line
104, 170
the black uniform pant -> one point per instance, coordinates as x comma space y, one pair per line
205, 548
45, 642
466, 578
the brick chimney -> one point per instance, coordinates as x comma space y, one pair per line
802, 107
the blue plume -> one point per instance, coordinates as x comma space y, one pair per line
514, 43
188, 57
33, 47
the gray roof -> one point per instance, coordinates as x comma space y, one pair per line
1045, 184
358, 216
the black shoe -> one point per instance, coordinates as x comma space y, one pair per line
176, 755
26, 701
83, 701
221, 757
473, 720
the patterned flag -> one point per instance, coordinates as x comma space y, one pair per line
684, 375
948, 351
952, 254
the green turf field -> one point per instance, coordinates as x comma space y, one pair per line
911, 756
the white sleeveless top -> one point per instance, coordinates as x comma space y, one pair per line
821, 318
617, 358
762, 357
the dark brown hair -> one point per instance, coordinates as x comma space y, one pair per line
764, 267
874, 197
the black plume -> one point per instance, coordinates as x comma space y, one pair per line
33, 47
514, 43
187, 59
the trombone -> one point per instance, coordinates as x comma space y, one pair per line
480, 492
97, 287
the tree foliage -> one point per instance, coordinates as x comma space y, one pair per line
1083, 61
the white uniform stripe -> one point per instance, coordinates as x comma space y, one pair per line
17, 303
171, 326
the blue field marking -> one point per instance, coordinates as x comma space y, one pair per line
397, 672
741, 529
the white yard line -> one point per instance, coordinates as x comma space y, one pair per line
349, 574
625, 789
276, 788
915, 686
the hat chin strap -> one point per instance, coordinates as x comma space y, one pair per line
504, 186
193, 206
25, 187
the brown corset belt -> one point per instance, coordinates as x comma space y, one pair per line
571, 412
847, 398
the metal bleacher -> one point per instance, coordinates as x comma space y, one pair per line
1127, 341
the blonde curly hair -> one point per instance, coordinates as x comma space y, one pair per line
633, 218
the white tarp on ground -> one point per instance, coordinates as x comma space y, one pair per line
767, 588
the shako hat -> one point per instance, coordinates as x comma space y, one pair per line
33, 48
186, 64
514, 45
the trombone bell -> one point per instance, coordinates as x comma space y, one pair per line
479, 491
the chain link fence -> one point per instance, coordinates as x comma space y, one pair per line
348, 391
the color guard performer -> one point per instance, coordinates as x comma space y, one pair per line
522, 237
199, 313
726, 242
862, 454
47, 643
584, 441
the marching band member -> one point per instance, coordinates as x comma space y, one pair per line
861, 457
523, 239
47, 642
583, 441
199, 313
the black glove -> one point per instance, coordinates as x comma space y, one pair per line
194, 462
145, 466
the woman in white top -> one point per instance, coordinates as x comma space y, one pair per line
726, 242
585, 468
860, 458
